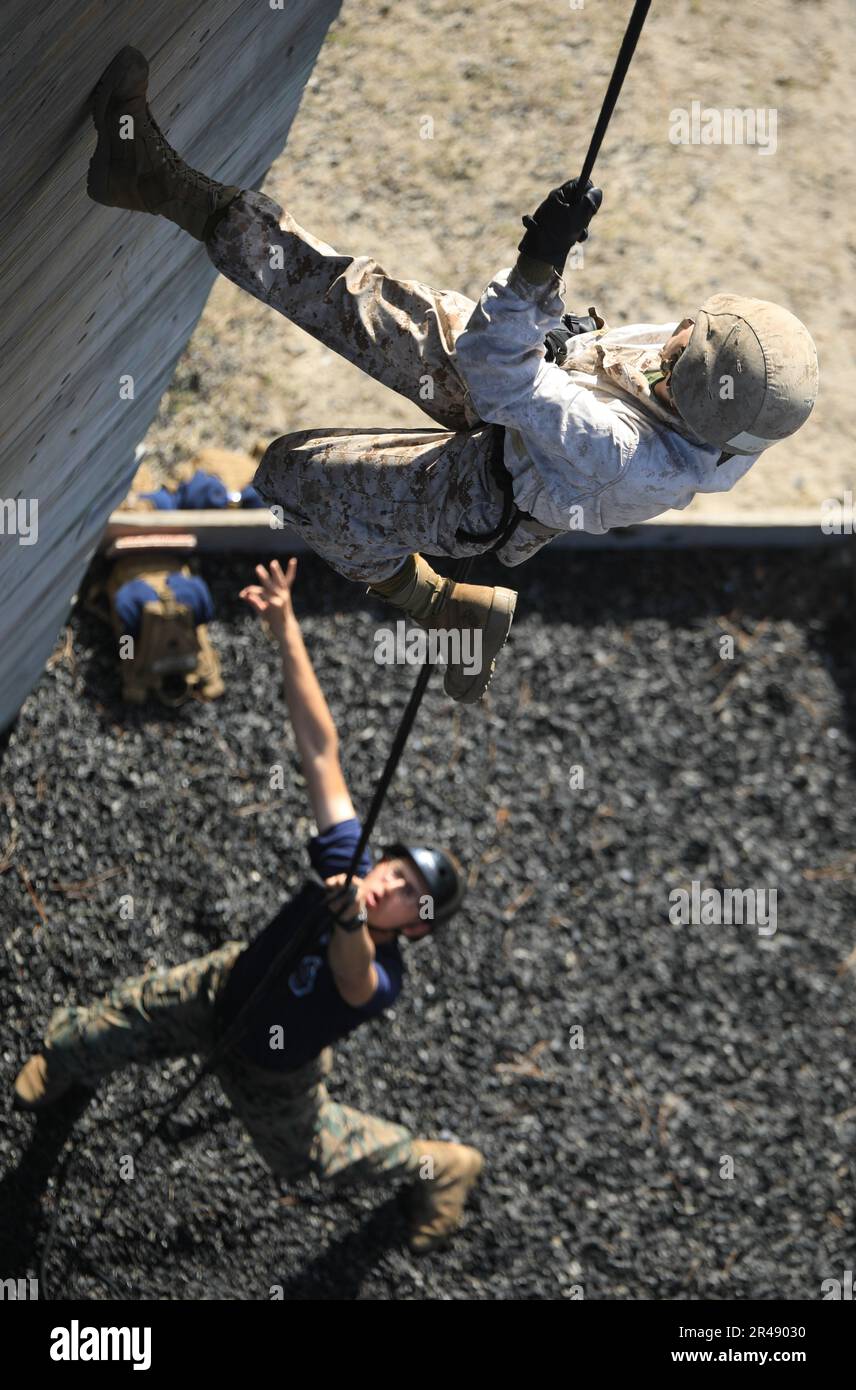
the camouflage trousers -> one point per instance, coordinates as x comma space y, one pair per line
290, 1117
366, 499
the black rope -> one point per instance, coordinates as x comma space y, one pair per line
616, 81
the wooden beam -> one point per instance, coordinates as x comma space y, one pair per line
251, 530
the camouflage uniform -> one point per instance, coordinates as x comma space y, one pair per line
366, 499
290, 1117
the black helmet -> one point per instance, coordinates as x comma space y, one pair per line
440, 872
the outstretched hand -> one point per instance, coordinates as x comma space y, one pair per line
271, 597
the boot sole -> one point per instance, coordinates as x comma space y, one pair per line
40, 1102
98, 177
19, 1103
495, 636
74, 1089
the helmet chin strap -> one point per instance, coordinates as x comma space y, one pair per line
653, 377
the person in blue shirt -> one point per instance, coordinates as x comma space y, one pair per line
276, 1028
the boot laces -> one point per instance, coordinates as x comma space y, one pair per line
444, 591
176, 165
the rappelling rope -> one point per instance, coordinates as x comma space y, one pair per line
616, 81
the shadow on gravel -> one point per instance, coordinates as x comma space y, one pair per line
813, 588
23, 1187
5, 736
339, 1272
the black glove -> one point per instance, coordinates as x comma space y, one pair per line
557, 226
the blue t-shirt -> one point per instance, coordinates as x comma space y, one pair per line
303, 1012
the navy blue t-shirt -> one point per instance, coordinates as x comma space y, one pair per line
305, 1009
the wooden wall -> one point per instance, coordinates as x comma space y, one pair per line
89, 294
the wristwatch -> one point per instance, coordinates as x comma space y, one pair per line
356, 923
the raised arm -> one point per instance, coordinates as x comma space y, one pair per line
501, 351
314, 730
502, 358
501, 354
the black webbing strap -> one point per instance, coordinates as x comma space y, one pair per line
510, 513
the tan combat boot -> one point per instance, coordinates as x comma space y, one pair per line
450, 1171
34, 1088
133, 167
480, 615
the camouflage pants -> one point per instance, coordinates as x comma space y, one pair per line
290, 1117
366, 499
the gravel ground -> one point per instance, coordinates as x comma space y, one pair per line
700, 1043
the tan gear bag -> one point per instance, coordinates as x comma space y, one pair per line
172, 658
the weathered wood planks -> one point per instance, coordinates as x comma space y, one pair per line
89, 295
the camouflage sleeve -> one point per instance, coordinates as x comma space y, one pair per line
501, 356
501, 350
